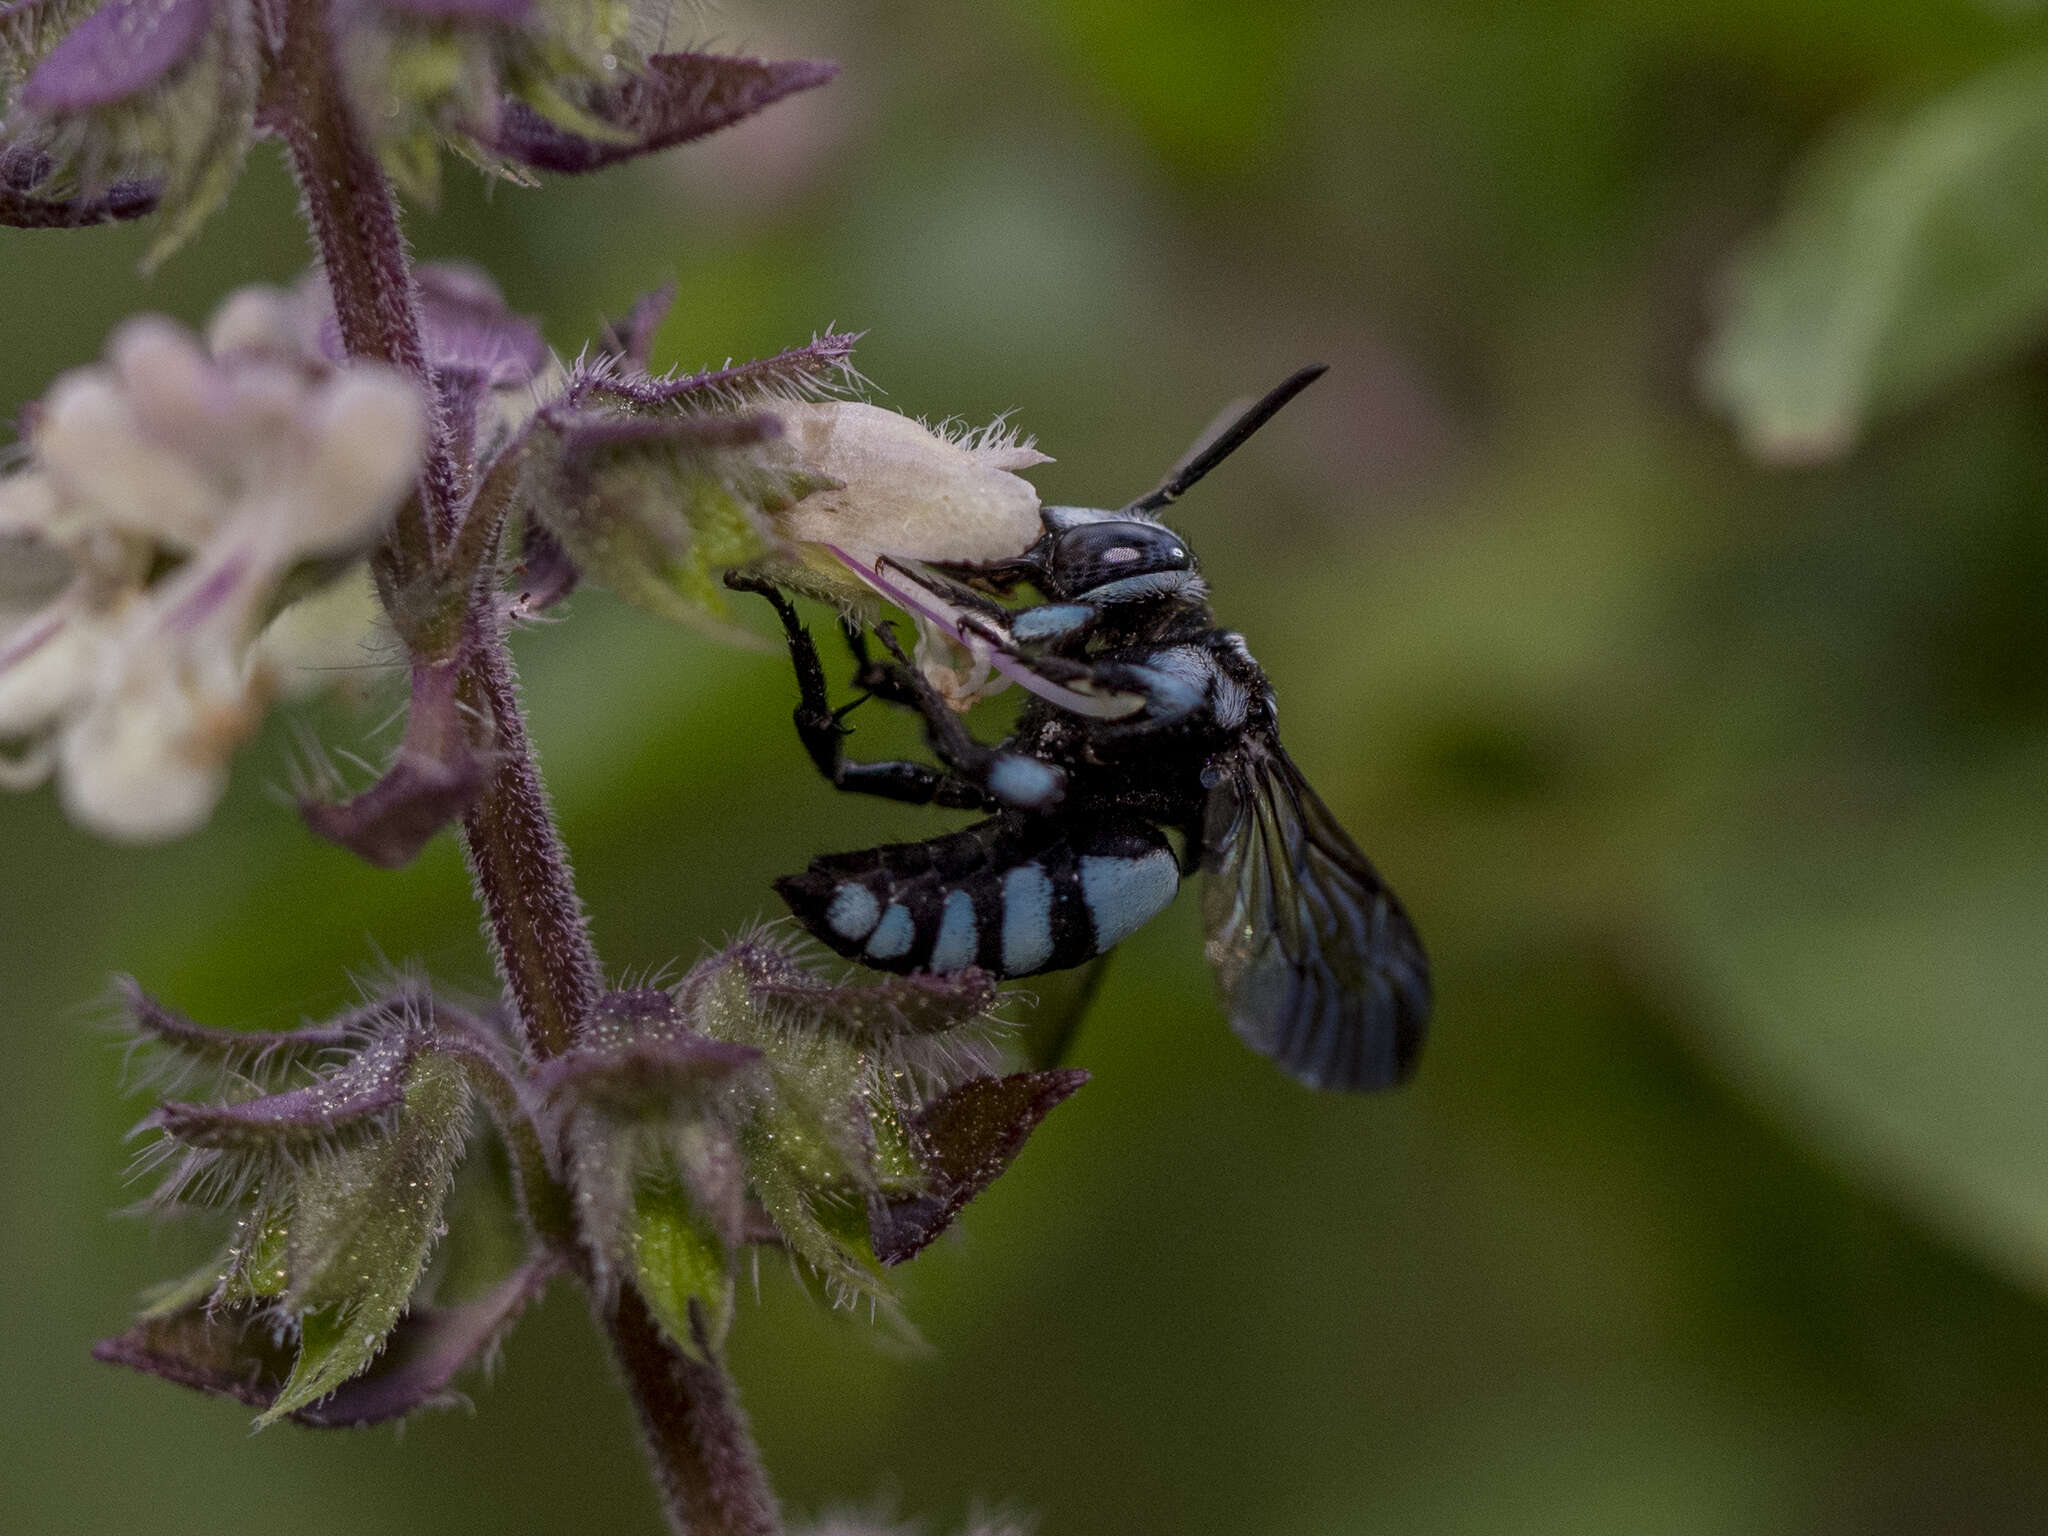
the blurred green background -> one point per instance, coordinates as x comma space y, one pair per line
1721, 1202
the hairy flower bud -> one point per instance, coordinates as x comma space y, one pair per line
901, 488
654, 486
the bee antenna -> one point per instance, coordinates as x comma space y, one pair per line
1227, 442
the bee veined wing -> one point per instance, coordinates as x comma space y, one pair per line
1317, 963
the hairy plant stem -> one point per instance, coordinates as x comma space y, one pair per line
690, 1419
704, 1460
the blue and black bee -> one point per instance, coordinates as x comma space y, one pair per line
1174, 734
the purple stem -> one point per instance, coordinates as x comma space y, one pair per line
355, 230
704, 1461
516, 858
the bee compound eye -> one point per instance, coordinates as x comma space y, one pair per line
1095, 554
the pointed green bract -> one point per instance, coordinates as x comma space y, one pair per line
423, 82
658, 518
365, 1224
825, 1228
680, 1264
258, 1264
335, 1342
894, 1160
206, 122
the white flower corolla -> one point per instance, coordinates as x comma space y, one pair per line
904, 495
323, 639
167, 495
907, 491
259, 320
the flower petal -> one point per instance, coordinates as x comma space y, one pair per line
130, 769
47, 667
370, 431
257, 319
120, 50
327, 636
92, 444
177, 393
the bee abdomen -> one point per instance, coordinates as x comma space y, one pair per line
1013, 898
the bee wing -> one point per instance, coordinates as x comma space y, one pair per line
1319, 967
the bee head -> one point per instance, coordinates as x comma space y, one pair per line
1106, 558
1109, 557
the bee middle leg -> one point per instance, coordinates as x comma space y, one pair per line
1007, 778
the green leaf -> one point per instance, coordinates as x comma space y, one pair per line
1910, 254
1884, 993
813, 1188
679, 1263
335, 1343
257, 1265
365, 1224
894, 1161
485, 1240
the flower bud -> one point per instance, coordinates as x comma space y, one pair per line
903, 489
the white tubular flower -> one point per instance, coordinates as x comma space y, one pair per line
908, 494
908, 491
167, 495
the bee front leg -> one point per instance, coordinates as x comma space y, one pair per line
877, 679
823, 730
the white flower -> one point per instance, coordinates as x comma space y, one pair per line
168, 493
908, 491
906, 495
